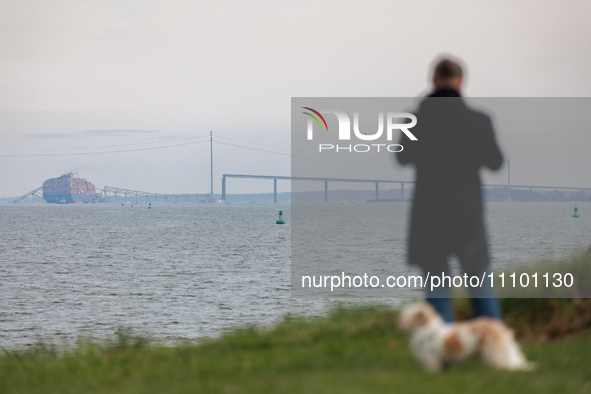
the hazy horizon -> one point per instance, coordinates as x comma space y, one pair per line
79, 79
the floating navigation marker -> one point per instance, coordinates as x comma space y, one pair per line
280, 220
576, 215
150, 206
121, 204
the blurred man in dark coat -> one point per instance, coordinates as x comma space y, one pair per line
454, 142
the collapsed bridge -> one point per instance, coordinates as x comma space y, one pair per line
111, 194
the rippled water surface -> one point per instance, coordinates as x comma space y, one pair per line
188, 271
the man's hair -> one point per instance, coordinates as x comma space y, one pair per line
447, 69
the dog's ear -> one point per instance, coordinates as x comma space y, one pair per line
420, 318
415, 315
409, 322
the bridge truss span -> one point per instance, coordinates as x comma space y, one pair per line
111, 194
32, 197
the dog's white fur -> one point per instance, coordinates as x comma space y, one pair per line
437, 344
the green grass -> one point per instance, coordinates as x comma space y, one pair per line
354, 349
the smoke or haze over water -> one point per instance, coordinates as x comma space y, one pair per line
94, 77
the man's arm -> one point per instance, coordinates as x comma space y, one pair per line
492, 156
407, 156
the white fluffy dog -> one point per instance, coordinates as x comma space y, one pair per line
437, 344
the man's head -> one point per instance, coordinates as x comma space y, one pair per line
448, 74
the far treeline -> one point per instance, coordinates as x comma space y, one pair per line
489, 194
501, 194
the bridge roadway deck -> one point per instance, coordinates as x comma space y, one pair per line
375, 181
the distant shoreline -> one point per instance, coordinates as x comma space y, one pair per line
393, 195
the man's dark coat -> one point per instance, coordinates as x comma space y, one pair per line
454, 141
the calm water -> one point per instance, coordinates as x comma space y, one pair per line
187, 271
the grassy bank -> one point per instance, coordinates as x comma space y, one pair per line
542, 318
355, 349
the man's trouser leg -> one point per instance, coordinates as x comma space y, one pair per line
439, 299
443, 307
484, 300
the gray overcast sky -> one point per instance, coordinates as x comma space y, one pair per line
111, 75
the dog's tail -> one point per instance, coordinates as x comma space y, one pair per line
498, 346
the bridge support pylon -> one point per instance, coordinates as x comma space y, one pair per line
224, 189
